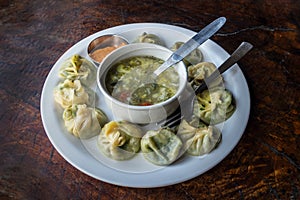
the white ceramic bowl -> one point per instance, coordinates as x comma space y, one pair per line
140, 114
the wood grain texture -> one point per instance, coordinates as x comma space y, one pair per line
264, 165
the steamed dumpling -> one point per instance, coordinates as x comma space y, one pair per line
193, 58
149, 38
198, 141
101, 116
71, 92
214, 106
119, 140
84, 122
76, 68
161, 147
196, 122
197, 73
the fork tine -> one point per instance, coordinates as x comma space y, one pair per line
172, 123
169, 122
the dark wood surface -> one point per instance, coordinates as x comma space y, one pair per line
264, 165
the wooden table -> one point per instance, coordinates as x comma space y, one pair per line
264, 165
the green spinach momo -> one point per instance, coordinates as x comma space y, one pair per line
128, 81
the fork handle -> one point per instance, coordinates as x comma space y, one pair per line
244, 48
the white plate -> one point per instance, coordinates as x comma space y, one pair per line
137, 172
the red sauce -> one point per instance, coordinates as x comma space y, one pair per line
99, 54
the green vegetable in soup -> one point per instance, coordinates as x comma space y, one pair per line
128, 81
150, 94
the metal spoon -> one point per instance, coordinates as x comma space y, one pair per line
191, 44
180, 54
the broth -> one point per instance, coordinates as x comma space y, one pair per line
128, 81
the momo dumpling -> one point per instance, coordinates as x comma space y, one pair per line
71, 92
193, 58
197, 73
196, 122
84, 122
119, 140
76, 68
149, 38
101, 116
161, 147
214, 106
198, 141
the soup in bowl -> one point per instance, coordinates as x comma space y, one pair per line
125, 77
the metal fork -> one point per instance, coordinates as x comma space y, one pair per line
177, 116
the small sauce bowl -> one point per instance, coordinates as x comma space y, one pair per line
101, 46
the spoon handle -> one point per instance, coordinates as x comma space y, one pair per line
235, 56
192, 44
